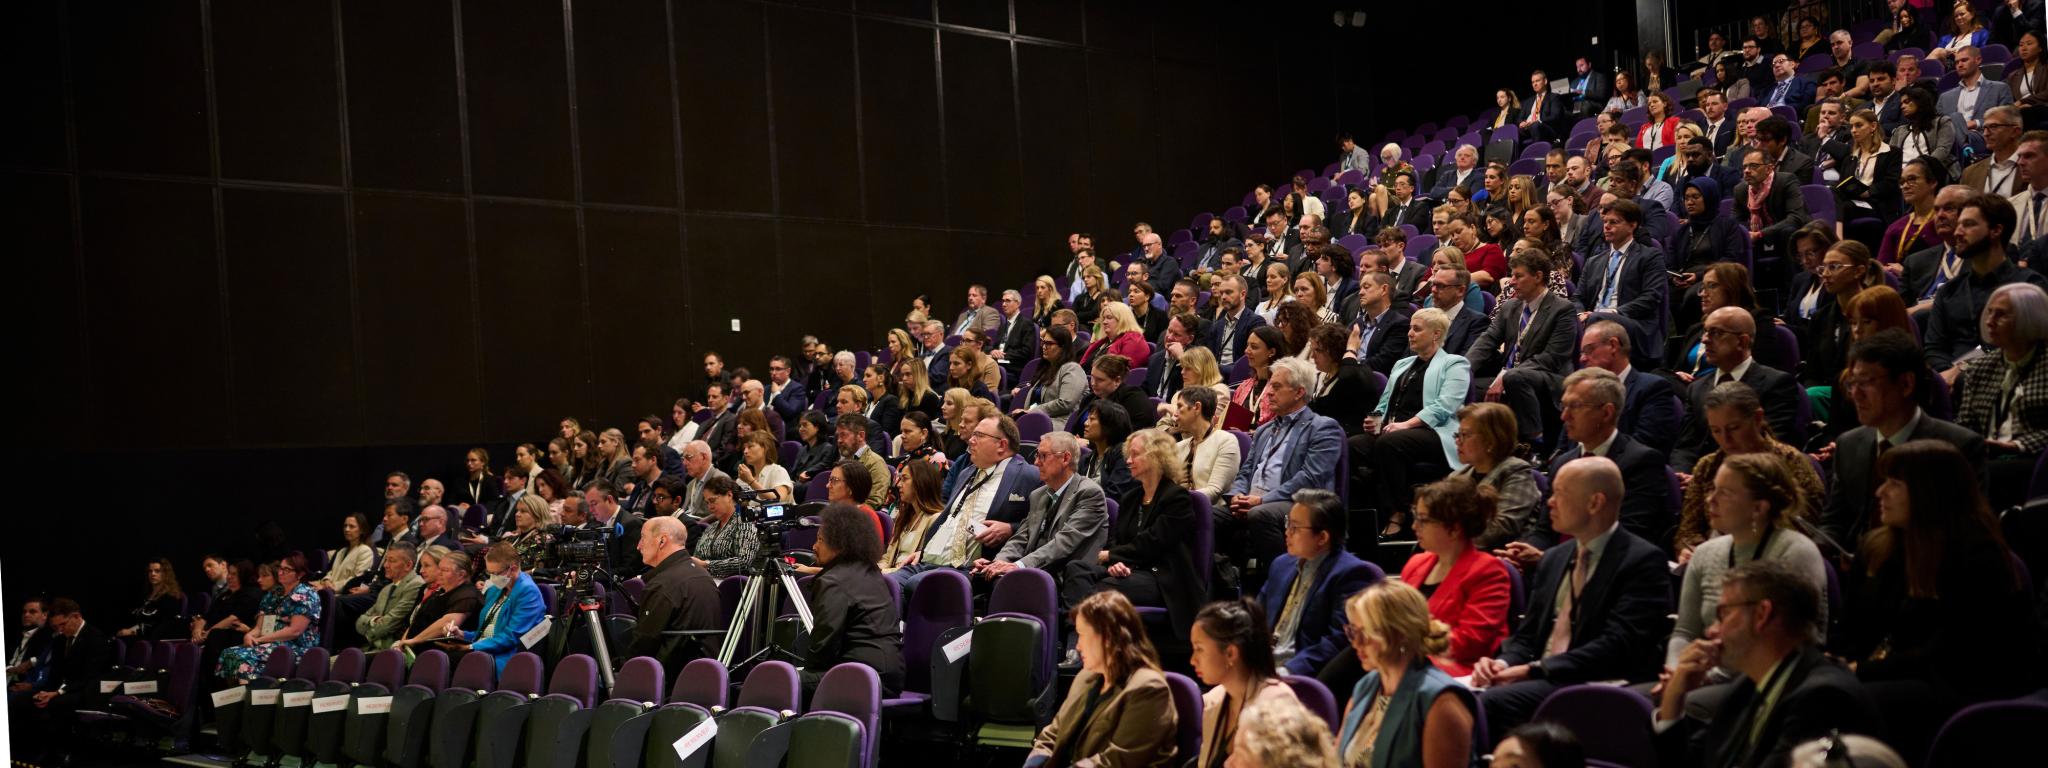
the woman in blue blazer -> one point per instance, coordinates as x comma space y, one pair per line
512, 607
1416, 416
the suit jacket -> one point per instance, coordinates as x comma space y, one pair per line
1646, 507
1799, 94
886, 412
1818, 697
1551, 108
1312, 443
1163, 272
1549, 343
1010, 504
1785, 204
1349, 398
1133, 724
1979, 174
941, 364
1951, 326
1242, 330
1779, 391
386, 620
1990, 93
1652, 411
1591, 89
1472, 600
1466, 325
1162, 376
1983, 384
1849, 511
78, 664
1445, 384
1447, 179
986, 318
1415, 213
791, 402
1079, 526
1723, 137
1160, 538
1389, 342
1319, 633
1921, 266
1642, 286
1621, 624
1018, 341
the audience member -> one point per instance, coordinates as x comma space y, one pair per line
1486, 444
1729, 334
1627, 282
853, 611
990, 499
385, 622
1345, 388
728, 543
1404, 711
1735, 418
680, 597
229, 618
449, 600
1304, 595
1526, 351
1296, 450
2005, 390
81, 656
1467, 589
157, 617
1233, 653
1119, 708
513, 608
1651, 409
1275, 731
1885, 378
288, 618
1060, 383
1541, 744
1767, 202
917, 502
1415, 418
1068, 519
1149, 553
1983, 225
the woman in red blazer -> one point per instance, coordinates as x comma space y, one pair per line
1119, 333
1467, 589
1661, 129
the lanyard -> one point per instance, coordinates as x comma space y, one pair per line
1909, 233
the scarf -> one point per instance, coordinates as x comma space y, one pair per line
1759, 213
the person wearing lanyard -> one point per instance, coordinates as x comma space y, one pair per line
1789, 691
513, 607
2005, 392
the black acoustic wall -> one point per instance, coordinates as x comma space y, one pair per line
269, 250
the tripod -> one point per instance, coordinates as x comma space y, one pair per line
586, 609
767, 581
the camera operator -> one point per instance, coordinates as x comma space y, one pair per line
623, 531
513, 607
853, 612
680, 596
727, 545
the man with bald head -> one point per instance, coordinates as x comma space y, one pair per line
1730, 334
697, 466
1597, 603
434, 528
680, 596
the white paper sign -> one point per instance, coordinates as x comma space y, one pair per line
539, 631
139, 687
298, 698
109, 686
229, 695
330, 704
695, 739
263, 697
958, 648
373, 705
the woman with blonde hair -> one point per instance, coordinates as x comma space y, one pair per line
901, 346
1045, 300
615, 461
1277, 280
914, 388
1117, 332
1198, 370
1274, 732
1095, 292
531, 520
955, 421
1119, 711
1405, 711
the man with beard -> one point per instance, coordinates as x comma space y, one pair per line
1982, 226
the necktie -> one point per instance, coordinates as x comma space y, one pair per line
1778, 95
1609, 288
1561, 629
1520, 328
1883, 445
2034, 220
1723, 377
1052, 511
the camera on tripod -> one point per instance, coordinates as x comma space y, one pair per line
574, 549
770, 518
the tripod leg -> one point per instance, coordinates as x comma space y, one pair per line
728, 650
599, 644
796, 598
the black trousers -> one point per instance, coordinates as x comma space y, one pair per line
1512, 705
346, 609
1393, 458
1259, 536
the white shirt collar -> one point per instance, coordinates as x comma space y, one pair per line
1604, 446
1742, 368
1913, 423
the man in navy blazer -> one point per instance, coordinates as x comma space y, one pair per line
1652, 410
1308, 619
1298, 449
1234, 322
1787, 88
1592, 408
786, 395
991, 458
1447, 292
937, 354
1730, 332
1633, 292
1597, 604
1379, 337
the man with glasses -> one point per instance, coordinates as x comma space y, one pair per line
434, 528
1782, 210
978, 315
1304, 598
1447, 289
1068, 519
989, 499
786, 395
1883, 380
1298, 449
1999, 172
1730, 333
1982, 228
1016, 336
1788, 691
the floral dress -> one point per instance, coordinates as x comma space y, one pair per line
246, 663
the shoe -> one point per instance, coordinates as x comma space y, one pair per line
1071, 662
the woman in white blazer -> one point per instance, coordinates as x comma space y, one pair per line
1210, 453
1414, 422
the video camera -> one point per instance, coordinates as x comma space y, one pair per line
770, 518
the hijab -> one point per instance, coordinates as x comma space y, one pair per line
1710, 191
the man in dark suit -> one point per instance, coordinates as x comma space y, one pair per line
1883, 381
1696, 159
1784, 208
1286, 245
434, 528
1543, 110
1447, 289
1016, 337
937, 354
1464, 172
1927, 268
1789, 691
1652, 408
1786, 88
1719, 129
1304, 597
1234, 321
1589, 88
785, 394
79, 659
1522, 357
1885, 96
1592, 411
1730, 332
1403, 207
1380, 336
1597, 604
1163, 370
1160, 269
1407, 274
1626, 279
1774, 137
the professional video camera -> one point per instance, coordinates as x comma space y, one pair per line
578, 549
772, 519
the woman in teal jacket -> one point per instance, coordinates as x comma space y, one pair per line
1405, 711
512, 607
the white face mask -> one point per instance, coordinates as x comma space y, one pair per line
501, 580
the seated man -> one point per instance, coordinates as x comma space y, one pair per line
1379, 336
1297, 450
681, 596
512, 608
1597, 604
852, 435
385, 621
1729, 333
1592, 406
990, 501
1652, 410
1789, 690
1068, 516
1522, 357
1883, 380
1626, 280
1304, 597
80, 657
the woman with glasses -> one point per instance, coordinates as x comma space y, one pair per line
1844, 272
1486, 443
1917, 183
288, 618
1735, 418
1405, 711
449, 599
1149, 555
1467, 589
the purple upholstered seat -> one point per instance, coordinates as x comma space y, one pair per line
1316, 697
348, 666
1613, 723
430, 669
943, 600
640, 680
575, 677
522, 674
702, 682
476, 672
773, 685
1187, 705
853, 689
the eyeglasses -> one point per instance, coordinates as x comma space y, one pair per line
1829, 269
1715, 333
1291, 527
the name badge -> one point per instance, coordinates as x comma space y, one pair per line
958, 648
326, 704
539, 631
695, 739
139, 687
109, 686
230, 695
263, 698
298, 698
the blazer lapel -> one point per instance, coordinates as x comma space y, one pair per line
1603, 574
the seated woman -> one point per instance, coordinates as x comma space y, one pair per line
914, 389
1295, 320
917, 505
1541, 744
955, 421
1725, 284
1405, 711
233, 613
916, 439
1119, 710
1045, 300
2003, 392
1105, 429
289, 618
1095, 293
728, 543
1233, 651
1312, 293
1118, 334
1735, 417
1278, 279
973, 371
1467, 589
512, 608
1846, 269
1344, 388
531, 521
1149, 555
1755, 502
1198, 370
853, 611
1486, 443
354, 562
449, 600
1060, 382
1208, 453
1703, 239
157, 617
1416, 415
759, 470
819, 453
1935, 595
1249, 408
851, 484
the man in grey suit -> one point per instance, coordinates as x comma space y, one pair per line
1297, 449
1973, 95
385, 622
1626, 280
1531, 343
1883, 380
697, 465
1068, 518
978, 315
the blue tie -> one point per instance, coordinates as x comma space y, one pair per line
1778, 96
1613, 269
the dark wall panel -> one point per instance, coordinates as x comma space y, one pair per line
827, 275
900, 124
1126, 26
289, 319
1125, 154
526, 261
723, 81
140, 82
638, 322
1059, 181
623, 108
890, 250
817, 159
403, 120
38, 221
734, 272
1184, 128
30, 47
515, 60
1060, 20
419, 346
910, 9
154, 308
275, 83
982, 171
985, 14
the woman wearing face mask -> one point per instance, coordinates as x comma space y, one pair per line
512, 608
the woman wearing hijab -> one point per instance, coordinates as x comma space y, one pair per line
1702, 238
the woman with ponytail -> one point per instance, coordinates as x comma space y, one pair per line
1233, 651
1405, 711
